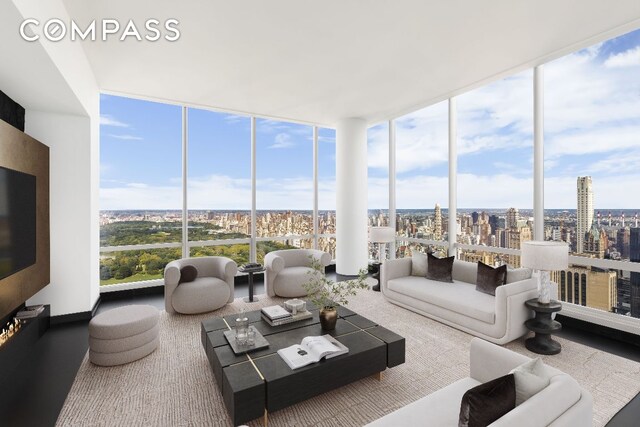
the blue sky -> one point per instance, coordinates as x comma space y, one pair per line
592, 127
141, 159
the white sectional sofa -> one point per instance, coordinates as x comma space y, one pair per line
498, 318
563, 403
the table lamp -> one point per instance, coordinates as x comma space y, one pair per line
545, 256
381, 236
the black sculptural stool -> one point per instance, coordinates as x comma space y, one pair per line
543, 326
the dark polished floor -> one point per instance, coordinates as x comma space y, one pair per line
34, 393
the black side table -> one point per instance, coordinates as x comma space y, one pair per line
376, 275
543, 326
251, 272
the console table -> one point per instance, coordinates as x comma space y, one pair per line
543, 326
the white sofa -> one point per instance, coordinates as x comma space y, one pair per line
563, 403
288, 269
498, 318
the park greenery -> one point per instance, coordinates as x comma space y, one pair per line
149, 264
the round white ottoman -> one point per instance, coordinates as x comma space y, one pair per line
123, 335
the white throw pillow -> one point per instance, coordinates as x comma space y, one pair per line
418, 264
530, 377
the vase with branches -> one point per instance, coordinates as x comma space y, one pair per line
326, 294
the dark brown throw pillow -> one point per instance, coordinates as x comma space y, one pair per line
439, 268
188, 273
489, 278
487, 402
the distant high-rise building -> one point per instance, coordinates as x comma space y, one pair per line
595, 242
590, 287
515, 238
634, 256
584, 210
512, 218
493, 222
474, 217
437, 234
622, 242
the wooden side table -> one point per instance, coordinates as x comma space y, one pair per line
543, 326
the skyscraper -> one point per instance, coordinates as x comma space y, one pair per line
584, 209
512, 218
634, 256
438, 223
622, 242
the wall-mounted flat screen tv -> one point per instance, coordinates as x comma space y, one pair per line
17, 221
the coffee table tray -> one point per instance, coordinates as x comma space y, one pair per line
260, 342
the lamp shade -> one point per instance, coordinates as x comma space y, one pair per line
382, 234
547, 256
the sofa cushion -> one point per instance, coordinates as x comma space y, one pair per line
531, 377
288, 283
459, 297
188, 273
489, 278
518, 274
440, 408
439, 268
544, 408
464, 271
487, 402
200, 296
418, 264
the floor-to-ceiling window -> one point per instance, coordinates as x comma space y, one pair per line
140, 189
592, 154
219, 184
495, 168
378, 180
284, 206
422, 188
327, 190
143, 201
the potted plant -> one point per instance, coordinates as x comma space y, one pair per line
327, 294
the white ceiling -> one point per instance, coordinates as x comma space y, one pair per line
322, 61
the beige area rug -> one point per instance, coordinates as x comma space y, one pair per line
174, 385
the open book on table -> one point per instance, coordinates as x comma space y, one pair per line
311, 350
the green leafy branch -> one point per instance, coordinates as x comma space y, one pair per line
325, 293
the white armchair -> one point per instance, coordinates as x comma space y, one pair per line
287, 270
212, 288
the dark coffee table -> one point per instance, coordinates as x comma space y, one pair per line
254, 384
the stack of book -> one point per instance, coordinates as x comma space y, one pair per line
276, 315
30, 312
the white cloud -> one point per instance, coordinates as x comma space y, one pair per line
106, 120
609, 192
282, 140
126, 137
628, 58
222, 193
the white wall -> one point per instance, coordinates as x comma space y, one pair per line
74, 283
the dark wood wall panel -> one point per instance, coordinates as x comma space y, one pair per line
20, 152
11, 112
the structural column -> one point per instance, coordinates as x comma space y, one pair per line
351, 196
